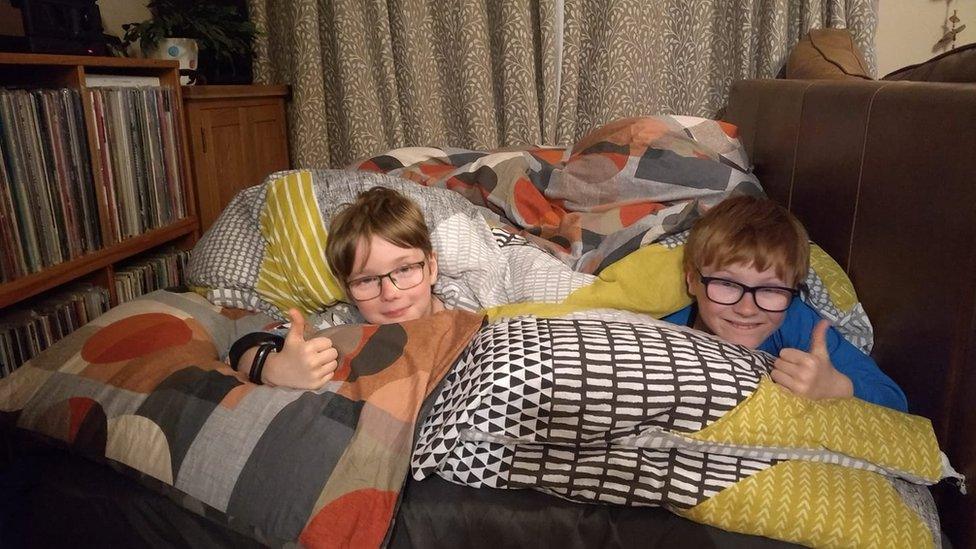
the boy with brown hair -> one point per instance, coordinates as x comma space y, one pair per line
379, 249
744, 263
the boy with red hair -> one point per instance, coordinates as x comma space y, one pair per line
744, 262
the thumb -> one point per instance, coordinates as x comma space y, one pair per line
297, 329
818, 339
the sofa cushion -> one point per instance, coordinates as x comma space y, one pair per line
958, 65
827, 54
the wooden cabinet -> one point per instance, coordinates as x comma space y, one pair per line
238, 135
97, 265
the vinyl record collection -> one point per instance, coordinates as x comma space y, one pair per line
149, 274
48, 202
48, 211
52, 200
33, 327
138, 151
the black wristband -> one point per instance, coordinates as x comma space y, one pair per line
250, 340
260, 357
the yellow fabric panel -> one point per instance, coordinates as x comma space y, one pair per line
202, 291
839, 286
649, 280
818, 505
294, 271
774, 417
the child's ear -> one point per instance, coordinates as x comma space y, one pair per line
432, 261
688, 283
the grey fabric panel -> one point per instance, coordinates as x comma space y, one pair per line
229, 254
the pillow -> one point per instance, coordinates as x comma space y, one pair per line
957, 65
827, 54
141, 387
649, 281
294, 272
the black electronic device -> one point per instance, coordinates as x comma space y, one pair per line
62, 26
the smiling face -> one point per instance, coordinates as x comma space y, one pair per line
743, 323
380, 257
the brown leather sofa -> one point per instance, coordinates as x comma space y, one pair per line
884, 176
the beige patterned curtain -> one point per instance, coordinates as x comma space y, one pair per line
370, 75
632, 57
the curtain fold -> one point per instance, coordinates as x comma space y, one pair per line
370, 75
634, 57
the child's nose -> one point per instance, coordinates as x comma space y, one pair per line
387, 288
747, 305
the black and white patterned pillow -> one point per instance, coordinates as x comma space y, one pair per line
554, 404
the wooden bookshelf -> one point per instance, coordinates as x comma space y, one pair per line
64, 71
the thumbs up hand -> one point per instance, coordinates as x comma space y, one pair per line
301, 363
811, 373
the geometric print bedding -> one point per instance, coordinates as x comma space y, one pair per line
572, 386
624, 185
644, 413
141, 388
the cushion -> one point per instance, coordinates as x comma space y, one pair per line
957, 65
141, 388
294, 272
827, 54
626, 184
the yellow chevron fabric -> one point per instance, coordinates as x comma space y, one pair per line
818, 505
774, 417
294, 272
839, 287
649, 280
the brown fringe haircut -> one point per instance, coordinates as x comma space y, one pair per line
379, 212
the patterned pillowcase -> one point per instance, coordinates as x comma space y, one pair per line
294, 271
142, 388
604, 409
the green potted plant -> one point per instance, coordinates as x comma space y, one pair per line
222, 33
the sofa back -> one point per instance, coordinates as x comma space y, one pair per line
883, 174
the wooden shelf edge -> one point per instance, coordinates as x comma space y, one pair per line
85, 61
227, 91
28, 286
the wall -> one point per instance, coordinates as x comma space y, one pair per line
908, 30
116, 12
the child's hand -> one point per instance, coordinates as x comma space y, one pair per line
812, 374
301, 363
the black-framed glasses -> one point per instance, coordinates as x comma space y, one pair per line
403, 277
772, 299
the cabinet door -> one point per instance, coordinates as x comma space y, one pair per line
269, 142
236, 143
220, 143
